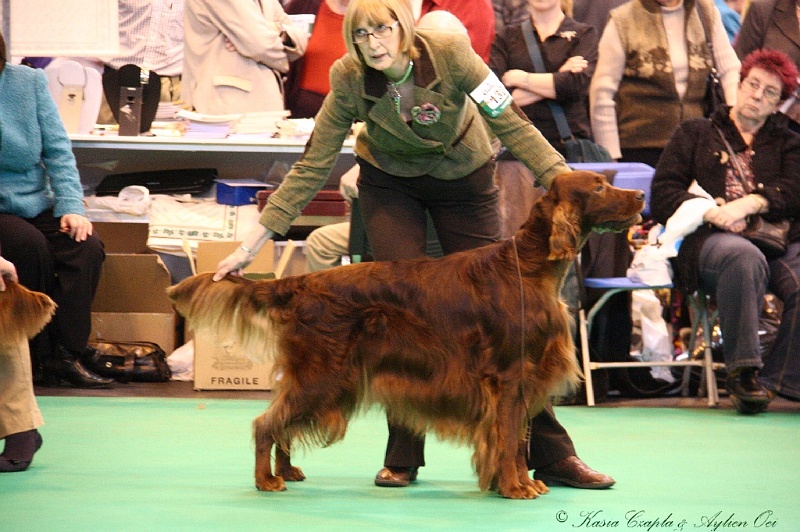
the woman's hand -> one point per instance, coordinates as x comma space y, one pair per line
522, 97
229, 45
235, 263
732, 216
7, 271
514, 78
575, 64
78, 227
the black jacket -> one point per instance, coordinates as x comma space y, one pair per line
695, 153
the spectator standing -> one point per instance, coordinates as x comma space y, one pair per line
236, 54
653, 73
150, 37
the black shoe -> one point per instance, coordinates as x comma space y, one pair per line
8, 465
70, 369
744, 385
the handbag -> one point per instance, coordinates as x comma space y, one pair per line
129, 361
714, 96
770, 237
576, 150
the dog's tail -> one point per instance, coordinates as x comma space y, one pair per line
229, 308
23, 313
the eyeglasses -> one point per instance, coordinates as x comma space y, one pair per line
770, 93
381, 31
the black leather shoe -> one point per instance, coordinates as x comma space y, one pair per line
744, 385
7, 465
70, 369
396, 477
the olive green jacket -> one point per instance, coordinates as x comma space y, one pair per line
446, 72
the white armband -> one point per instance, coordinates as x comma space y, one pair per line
491, 95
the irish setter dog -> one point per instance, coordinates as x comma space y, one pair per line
23, 314
469, 346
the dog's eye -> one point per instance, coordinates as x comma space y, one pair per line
600, 188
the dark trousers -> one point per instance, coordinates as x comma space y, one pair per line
465, 214
49, 261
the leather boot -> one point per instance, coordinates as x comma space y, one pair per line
68, 367
747, 394
744, 385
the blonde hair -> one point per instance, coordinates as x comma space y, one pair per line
566, 7
371, 12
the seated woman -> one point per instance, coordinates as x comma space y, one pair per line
43, 228
760, 176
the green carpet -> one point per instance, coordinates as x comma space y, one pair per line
182, 464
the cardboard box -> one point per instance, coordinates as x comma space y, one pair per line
219, 362
238, 191
131, 303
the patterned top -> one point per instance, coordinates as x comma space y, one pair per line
151, 36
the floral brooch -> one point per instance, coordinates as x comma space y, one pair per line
425, 114
568, 35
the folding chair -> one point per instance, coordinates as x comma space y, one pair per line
702, 318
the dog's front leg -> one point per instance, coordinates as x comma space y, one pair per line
284, 467
265, 480
512, 474
522, 471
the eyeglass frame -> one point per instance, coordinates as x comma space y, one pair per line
362, 38
752, 85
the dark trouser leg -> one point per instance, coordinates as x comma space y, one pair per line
781, 371
549, 441
77, 267
28, 249
465, 215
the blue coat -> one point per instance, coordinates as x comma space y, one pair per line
37, 167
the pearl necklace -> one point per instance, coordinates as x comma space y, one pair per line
392, 86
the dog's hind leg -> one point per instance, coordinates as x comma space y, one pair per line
265, 480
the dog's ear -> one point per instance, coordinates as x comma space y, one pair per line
564, 233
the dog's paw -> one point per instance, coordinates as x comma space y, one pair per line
291, 473
270, 483
518, 491
540, 487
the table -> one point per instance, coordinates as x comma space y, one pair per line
98, 155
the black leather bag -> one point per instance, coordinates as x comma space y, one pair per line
770, 237
129, 361
715, 96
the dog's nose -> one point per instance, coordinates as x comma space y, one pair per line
640, 195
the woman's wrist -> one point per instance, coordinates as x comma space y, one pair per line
249, 251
